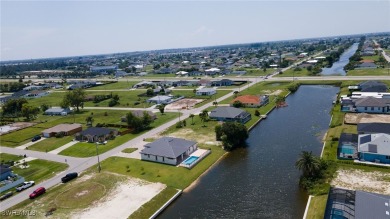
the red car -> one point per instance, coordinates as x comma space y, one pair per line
39, 191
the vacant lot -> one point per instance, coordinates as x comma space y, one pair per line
183, 104
103, 195
355, 118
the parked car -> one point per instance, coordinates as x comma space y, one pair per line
69, 177
36, 138
39, 191
6, 195
24, 186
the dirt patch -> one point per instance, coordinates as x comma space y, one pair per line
375, 181
126, 198
271, 92
191, 135
185, 103
355, 118
14, 127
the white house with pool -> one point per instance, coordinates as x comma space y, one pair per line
173, 151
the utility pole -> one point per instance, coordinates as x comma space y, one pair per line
97, 154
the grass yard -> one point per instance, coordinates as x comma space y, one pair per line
8, 157
369, 72
153, 205
50, 144
250, 72
172, 176
291, 73
317, 207
40, 170
120, 85
129, 150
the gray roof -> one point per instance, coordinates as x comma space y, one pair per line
370, 102
371, 205
96, 131
374, 143
160, 98
374, 127
206, 89
226, 112
56, 110
373, 86
168, 147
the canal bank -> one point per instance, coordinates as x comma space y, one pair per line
261, 180
337, 68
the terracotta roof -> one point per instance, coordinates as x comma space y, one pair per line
245, 99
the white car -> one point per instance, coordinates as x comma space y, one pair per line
25, 185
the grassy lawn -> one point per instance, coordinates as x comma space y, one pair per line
50, 144
317, 207
129, 150
291, 73
115, 86
84, 149
7, 157
66, 198
250, 72
368, 72
40, 170
172, 176
148, 209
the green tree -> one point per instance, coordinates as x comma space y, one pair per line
161, 107
29, 111
146, 120
44, 107
257, 113
237, 104
149, 92
89, 121
232, 134
13, 107
218, 132
192, 118
74, 98
204, 115
308, 164
235, 93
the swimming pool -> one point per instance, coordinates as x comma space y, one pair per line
347, 149
190, 160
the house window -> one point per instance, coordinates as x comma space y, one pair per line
163, 159
387, 157
365, 108
148, 155
372, 108
156, 157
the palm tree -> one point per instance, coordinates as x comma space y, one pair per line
235, 93
308, 164
192, 118
204, 116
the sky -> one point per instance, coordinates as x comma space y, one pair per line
44, 29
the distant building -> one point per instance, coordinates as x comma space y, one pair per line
160, 100
206, 91
230, 114
372, 86
251, 100
103, 68
96, 134
58, 111
65, 129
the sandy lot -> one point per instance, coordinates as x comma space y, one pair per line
14, 126
123, 201
183, 104
276, 92
376, 182
193, 136
355, 118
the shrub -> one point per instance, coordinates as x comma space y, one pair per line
136, 103
257, 113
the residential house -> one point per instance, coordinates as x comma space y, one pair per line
212, 71
65, 129
36, 94
58, 111
206, 91
140, 114
372, 86
230, 114
160, 99
348, 204
5, 172
144, 84
251, 100
103, 68
374, 148
223, 82
372, 105
33, 87
373, 127
96, 134
168, 150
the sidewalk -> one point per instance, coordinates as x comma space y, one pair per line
29, 144
58, 150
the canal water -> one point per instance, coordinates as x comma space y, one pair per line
338, 67
261, 181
